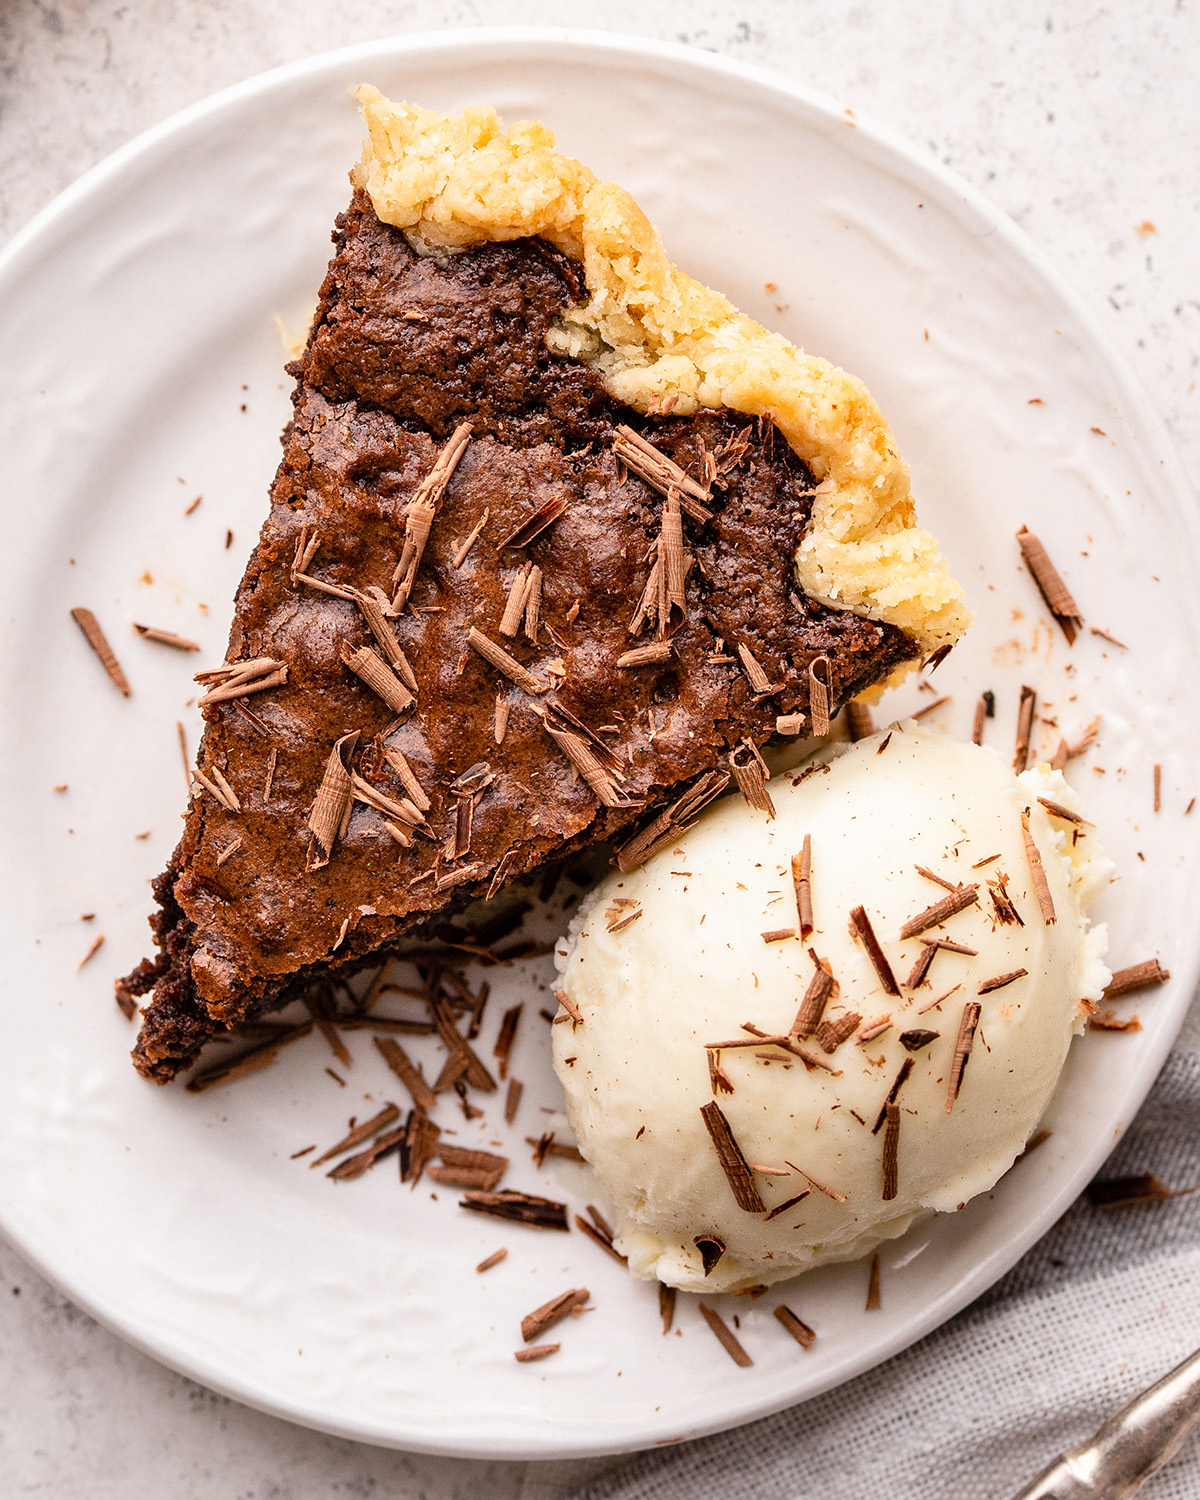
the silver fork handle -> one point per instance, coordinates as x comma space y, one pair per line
1131, 1446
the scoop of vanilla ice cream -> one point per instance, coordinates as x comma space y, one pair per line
692, 967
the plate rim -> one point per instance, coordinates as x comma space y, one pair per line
1173, 483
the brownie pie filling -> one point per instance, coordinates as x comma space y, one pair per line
529, 731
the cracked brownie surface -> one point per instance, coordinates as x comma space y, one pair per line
404, 349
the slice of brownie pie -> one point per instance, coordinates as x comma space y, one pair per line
559, 541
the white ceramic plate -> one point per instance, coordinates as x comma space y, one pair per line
142, 368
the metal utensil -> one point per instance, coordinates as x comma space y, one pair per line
1131, 1445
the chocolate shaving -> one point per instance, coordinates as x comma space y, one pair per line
789, 724
1002, 903
468, 1169
505, 1038
1025, 713
778, 934
980, 718
801, 1332
569, 1006
676, 562
820, 1186
94, 948
239, 679
946, 885
758, 679
1000, 980
230, 850
873, 1300
371, 796
98, 641
711, 1248
372, 605
473, 536
533, 607
1041, 885
383, 1145
933, 1004
820, 693
166, 638
512, 1100
660, 472
306, 550
418, 518
520, 1208
359, 1134
1049, 581
533, 526
933, 916
1085, 741
539, 1351
751, 777
893, 1093
1141, 976
1157, 788
1038, 1138
337, 590
913, 1041
420, 1143
601, 1237
458, 1048
962, 1050
407, 777
651, 603
542, 1319
1109, 1021
503, 662
1108, 636
618, 920
782, 1208
725, 1336
666, 1305
802, 883
251, 1061
1123, 1192
652, 654
600, 768
874, 1028
830, 1035
820, 987
891, 1143
920, 969
718, 1079
382, 681
219, 788
500, 719
407, 1072
861, 924
518, 596
673, 821
733, 1163
496, 1256
1057, 810
859, 724
930, 708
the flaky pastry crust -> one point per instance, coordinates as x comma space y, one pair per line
662, 341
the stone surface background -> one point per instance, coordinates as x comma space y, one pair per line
1079, 119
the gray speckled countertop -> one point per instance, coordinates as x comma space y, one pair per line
1078, 119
